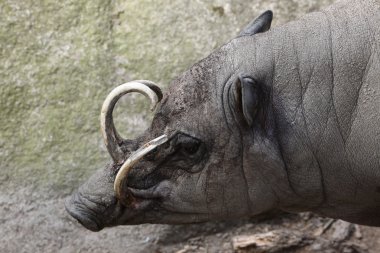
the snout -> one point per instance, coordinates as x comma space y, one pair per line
85, 216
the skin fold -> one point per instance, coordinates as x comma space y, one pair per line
287, 118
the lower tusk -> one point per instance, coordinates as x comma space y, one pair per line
133, 159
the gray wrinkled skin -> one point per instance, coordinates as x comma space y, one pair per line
314, 144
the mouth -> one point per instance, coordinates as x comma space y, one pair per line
145, 194
90, 217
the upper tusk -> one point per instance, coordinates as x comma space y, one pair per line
111, 138
133, 159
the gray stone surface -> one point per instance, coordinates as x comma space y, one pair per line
58, 61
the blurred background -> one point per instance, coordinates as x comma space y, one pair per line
58, 61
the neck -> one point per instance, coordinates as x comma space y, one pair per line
320, 64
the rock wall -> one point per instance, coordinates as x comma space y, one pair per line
59, 59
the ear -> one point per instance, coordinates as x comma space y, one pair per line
259, 25
247, 92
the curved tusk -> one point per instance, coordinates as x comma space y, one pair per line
133, 159
111, 137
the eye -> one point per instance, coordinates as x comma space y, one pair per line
191, 147
188, 145
188, 153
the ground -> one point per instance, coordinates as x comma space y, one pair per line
31, 222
